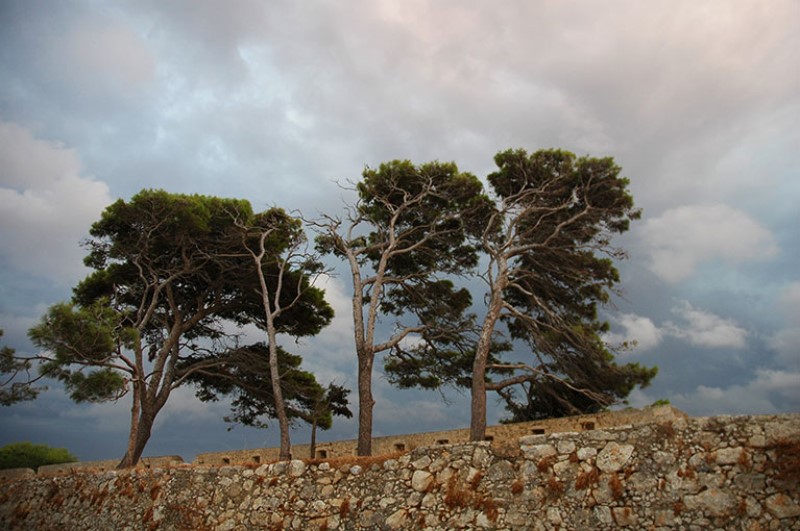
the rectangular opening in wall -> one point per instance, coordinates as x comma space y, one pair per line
226, 460
537, 430
587, 425
399, 447
489, 438
443, 441
322, 454
256, 458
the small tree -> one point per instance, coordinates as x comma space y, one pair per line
407, 232
322, 407
246, 378
28, 455
170, 278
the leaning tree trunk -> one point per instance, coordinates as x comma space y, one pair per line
280, 409
477, 425
144, 429
313, 445
365, 403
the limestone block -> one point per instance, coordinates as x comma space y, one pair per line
398, 519
565, 447
586, 453
421, 480
296, 468
614, 457
625, 516
782, 506
713, 502
729, 456
500, 471
603, 514
539, 451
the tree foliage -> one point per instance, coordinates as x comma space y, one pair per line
550, 262
17, 383
170, 278
407, 232
28, 455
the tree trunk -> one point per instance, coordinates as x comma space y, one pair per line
477, 424
313, 445
365, 403
280, 409
143, 430
133, 429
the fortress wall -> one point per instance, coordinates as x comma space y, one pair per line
691, 474
503, 437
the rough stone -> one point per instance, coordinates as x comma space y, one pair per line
666, 483
613, 457
421, 480
296, 468
781, 506
714, 502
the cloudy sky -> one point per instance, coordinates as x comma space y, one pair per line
699, 102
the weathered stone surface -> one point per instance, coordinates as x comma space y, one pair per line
501, 470
613, 457
782, 506
714, 502
586, 453
695, 479
625, 516
729, 456
296, 468
421, 480
540, 451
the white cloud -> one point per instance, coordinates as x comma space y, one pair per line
760, 395
683, 237
637, 329
786, 342
705, 329
46, 205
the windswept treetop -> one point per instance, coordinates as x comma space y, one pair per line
172, 273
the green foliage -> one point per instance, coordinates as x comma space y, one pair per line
27, 455
547, 240
172, 274
245, 377
13, 390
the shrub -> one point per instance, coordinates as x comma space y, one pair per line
28, 455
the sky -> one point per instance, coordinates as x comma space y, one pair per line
276, 102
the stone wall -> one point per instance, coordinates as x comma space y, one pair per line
503, 437
692, 474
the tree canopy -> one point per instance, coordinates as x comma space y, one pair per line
29, 455
550, 262
407, 232
170, 280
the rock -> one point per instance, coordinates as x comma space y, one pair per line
625, 516
398, 519
296, 468
713, 502
781, 506
501, 470
729, 456
614, 456
539, 451
603, 514
421, 463
421, 480
586, 453
565, 447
